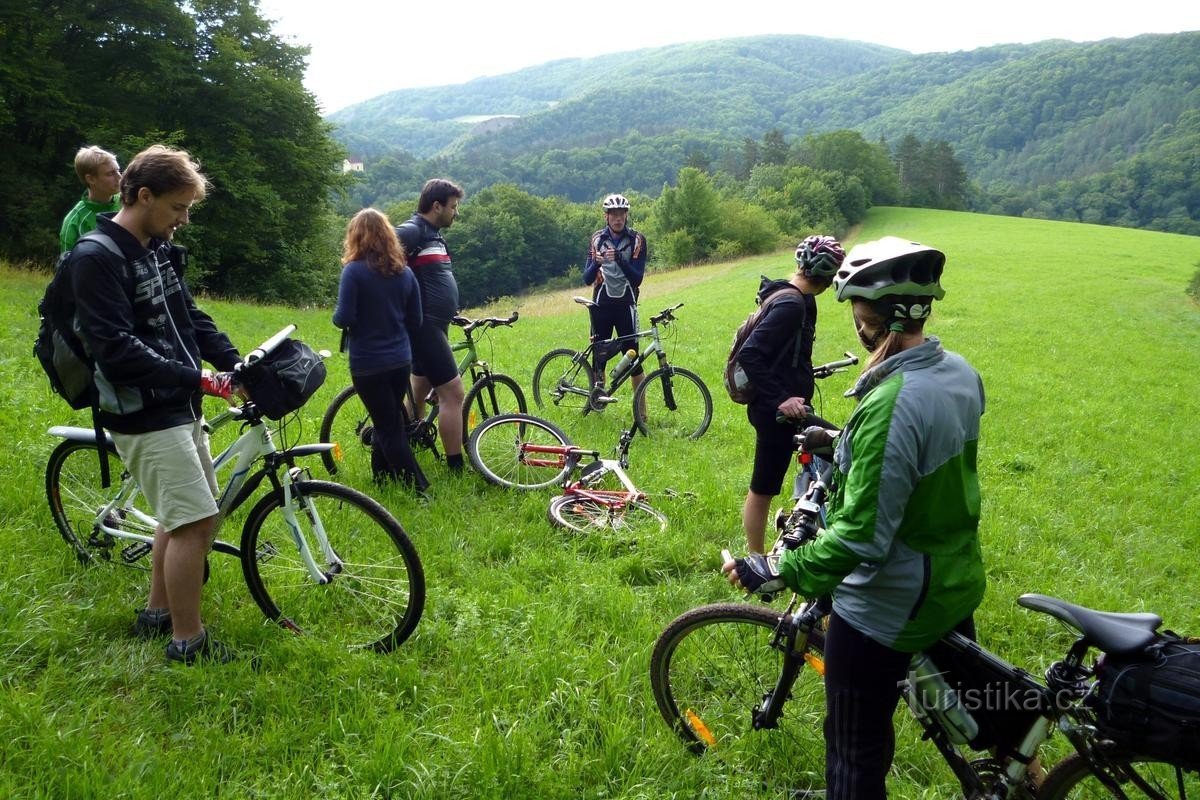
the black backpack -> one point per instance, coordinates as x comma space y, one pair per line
737, 383
1149, 702
62, 355
60, 352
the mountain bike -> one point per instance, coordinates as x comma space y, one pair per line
722, 676
318, 558
568, 379
520, 451
347, 424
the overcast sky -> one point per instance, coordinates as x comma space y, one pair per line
364, 48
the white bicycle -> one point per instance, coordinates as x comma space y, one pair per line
318, 557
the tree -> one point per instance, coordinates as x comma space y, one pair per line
693, 207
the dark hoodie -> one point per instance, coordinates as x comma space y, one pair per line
777, 356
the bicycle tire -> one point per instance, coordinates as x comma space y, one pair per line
563, 379
685, 402
494, 450
490, 396
586, 515
710, 669
1073, 778
345, 423
75, 495
375, 595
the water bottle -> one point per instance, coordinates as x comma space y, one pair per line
932, 698
626, 360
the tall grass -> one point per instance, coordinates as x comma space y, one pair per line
528, 674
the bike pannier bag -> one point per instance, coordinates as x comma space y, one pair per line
283, 380
1149, 703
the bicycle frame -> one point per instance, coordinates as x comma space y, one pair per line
468, 362
255, 444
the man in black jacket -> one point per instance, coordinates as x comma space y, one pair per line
139, 321
777, 358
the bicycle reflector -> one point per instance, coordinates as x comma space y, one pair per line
337, 451
700, 728
816, 662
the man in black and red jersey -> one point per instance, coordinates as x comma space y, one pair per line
433, 360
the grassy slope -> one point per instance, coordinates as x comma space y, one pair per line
527, 676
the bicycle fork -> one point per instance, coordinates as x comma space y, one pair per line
292, 499
791, 639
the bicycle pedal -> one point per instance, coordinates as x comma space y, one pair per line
135, 551
265, 552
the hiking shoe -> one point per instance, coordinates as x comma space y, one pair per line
150, 626
207, 649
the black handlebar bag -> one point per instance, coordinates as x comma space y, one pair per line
283, 380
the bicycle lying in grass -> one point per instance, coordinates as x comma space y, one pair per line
318, 557
723, 674
347, 424
520, 451
670, 399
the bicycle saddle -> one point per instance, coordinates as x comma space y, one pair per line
1109, 631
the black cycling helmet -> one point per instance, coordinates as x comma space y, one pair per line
615, 202
819, 256
891, 267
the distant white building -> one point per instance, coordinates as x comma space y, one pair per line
352, 165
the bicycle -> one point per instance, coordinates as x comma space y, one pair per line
519, 451
317, 557
722, 674
567, 378
347, 424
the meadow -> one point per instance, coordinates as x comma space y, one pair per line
527, 677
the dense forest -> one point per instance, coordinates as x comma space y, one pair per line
1098, 132
726, 148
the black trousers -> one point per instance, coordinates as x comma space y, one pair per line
862, 680
383, 394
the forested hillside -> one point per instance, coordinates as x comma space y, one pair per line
1032, 125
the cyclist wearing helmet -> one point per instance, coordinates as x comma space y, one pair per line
900, 551
616, 264
777, 358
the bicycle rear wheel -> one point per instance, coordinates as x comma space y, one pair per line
709, 671
375, 587
75, 496
676, 402
563, 379
498, 451
347, 424
1138, 776
490, 396
586, 515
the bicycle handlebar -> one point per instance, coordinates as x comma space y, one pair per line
468, 324
260, 352
825, 370
666, 315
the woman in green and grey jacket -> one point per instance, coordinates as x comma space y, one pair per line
900, 552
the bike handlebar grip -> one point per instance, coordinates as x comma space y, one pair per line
726, 556
266, 347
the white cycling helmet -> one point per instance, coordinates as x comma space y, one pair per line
615, 202
891, 267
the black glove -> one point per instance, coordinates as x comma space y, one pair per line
757, 574
818, 441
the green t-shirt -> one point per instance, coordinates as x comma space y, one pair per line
81, 219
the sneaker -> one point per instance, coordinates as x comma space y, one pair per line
151, 626
207, 649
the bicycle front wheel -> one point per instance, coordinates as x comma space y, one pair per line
76, 498
562, 379
1138, 776
490, 396
709, 672
372, 588
498, 449
587, 515
674, 401
347, 424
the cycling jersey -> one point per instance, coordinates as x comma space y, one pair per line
430, 261
622, 277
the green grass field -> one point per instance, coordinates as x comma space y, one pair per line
527, 677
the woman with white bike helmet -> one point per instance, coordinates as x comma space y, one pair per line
900, 552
